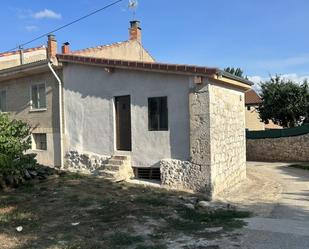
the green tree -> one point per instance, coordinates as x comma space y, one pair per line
235, 71
284, 102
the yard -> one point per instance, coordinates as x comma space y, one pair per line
76, 211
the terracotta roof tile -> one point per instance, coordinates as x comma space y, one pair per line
24, 50
139, 65
251, 98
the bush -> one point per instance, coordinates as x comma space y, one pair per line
15, 140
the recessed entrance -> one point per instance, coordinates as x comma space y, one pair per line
123, 123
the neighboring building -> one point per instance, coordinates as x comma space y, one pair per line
17, 58
252, 101
187, 121
253, 121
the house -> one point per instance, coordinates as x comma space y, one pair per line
253, 121
110, 114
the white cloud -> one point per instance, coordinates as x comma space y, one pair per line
292, 76
31, 28
47, 14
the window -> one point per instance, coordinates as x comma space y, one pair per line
3, 101
157, 114
38, 96
40, 142
248, 108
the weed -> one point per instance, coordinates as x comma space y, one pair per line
151, 247
300, 166
152, 201
125, 239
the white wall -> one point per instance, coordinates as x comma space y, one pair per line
89, 112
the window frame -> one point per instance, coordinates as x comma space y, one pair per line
159, 128
34, 140
32, 106
6, 105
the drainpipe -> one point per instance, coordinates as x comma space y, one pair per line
60, 110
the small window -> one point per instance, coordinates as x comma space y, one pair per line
157, 114
248, 108
38, 96
40, 142
3, 101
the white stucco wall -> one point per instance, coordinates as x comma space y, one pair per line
89, 112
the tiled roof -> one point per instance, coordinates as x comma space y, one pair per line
138, 64
24, 50
252, 98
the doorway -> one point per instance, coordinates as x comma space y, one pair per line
123, 123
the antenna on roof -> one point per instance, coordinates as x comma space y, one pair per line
133, 6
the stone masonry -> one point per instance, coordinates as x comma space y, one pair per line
83, 162
284, 149
227, 136
217, 143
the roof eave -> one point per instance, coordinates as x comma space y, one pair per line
24, 70
234, 77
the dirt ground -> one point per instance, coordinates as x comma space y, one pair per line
277, 193
77, 211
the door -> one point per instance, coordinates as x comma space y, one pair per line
123, 123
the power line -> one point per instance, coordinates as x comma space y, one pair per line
66, 25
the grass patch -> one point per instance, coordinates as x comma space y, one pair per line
151, 247
300, 166
191, 220
124, 239
47, 210
152, 201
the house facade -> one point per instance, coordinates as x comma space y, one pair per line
30, 90
186, 121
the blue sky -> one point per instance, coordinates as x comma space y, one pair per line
262, 37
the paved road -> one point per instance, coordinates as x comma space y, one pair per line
282, 220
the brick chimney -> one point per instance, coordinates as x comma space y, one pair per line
65, 49
51, 46
135, 31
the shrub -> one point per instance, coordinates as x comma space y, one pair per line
15, 140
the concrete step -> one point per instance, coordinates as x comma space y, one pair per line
119, 158
116, 162
111, 167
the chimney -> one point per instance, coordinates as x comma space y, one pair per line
51, 46
135, 31
65, 49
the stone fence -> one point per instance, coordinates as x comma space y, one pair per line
282, 149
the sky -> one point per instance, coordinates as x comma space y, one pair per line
262, 37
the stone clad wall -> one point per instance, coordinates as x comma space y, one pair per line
194, 174
284, 149
227, 136
199, 175
217, 142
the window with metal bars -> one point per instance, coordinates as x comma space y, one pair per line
40, 141
147, 173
